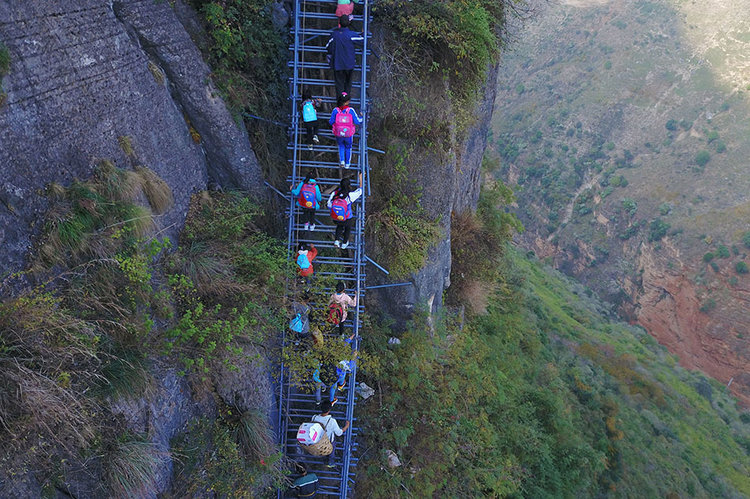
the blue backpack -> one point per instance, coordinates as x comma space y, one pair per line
297, 324
308, 111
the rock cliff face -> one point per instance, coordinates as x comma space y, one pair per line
451, 183
84, 74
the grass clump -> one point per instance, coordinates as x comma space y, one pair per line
156, 72
131, 467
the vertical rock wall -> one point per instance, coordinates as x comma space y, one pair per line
84, 73
450, 184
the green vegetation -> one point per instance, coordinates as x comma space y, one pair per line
702, 158
657, 229
457, 37
88, 332
247, 55
542, 396
233, 456
4, 60
746, 239
741, 267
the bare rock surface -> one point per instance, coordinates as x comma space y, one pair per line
85, 73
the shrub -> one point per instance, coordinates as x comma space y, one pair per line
657, 229
712, 135
629, 205
722, 251
746, 239
741, 267
702, 158
665, 209
708, 257
671, 125
720, 146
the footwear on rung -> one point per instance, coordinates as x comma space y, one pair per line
337, 243
316, 139
342, 164
345, 245
312, 227
307, 225
309, 147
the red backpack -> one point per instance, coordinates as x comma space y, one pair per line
335, 313
340, 209
343, 126
307, 196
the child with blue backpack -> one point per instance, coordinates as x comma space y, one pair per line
308, 198
310, 117
340, 203
343, 120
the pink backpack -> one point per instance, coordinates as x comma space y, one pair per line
343, 126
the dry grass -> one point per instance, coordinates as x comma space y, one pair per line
47, 358
131, 469
156, 72
126, 144
157, 191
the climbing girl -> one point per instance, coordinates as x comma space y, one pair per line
310, 117
308, 198
343, 119
305, 256
339, 304
340, 203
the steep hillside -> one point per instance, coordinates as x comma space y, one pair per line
623, 129
544, 395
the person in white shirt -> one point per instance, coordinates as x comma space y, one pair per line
331, 427
340, 202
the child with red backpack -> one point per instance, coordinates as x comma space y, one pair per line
308, 198
340, 203
343, 119
338, 305
305, 256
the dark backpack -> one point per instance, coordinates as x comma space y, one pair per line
335, 313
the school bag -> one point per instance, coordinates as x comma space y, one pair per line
297, 324
343, 126
308, 111
307, 196
340, 209
313, 439
335, 313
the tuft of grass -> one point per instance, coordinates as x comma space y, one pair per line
131, 467
126, 144
157, 191
254, 436
125, 375
156, 72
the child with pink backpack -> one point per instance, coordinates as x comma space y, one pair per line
340, 203
343, 119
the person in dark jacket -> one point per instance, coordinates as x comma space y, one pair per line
340, 48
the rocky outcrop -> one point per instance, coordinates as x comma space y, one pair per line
451, 182
85, 73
